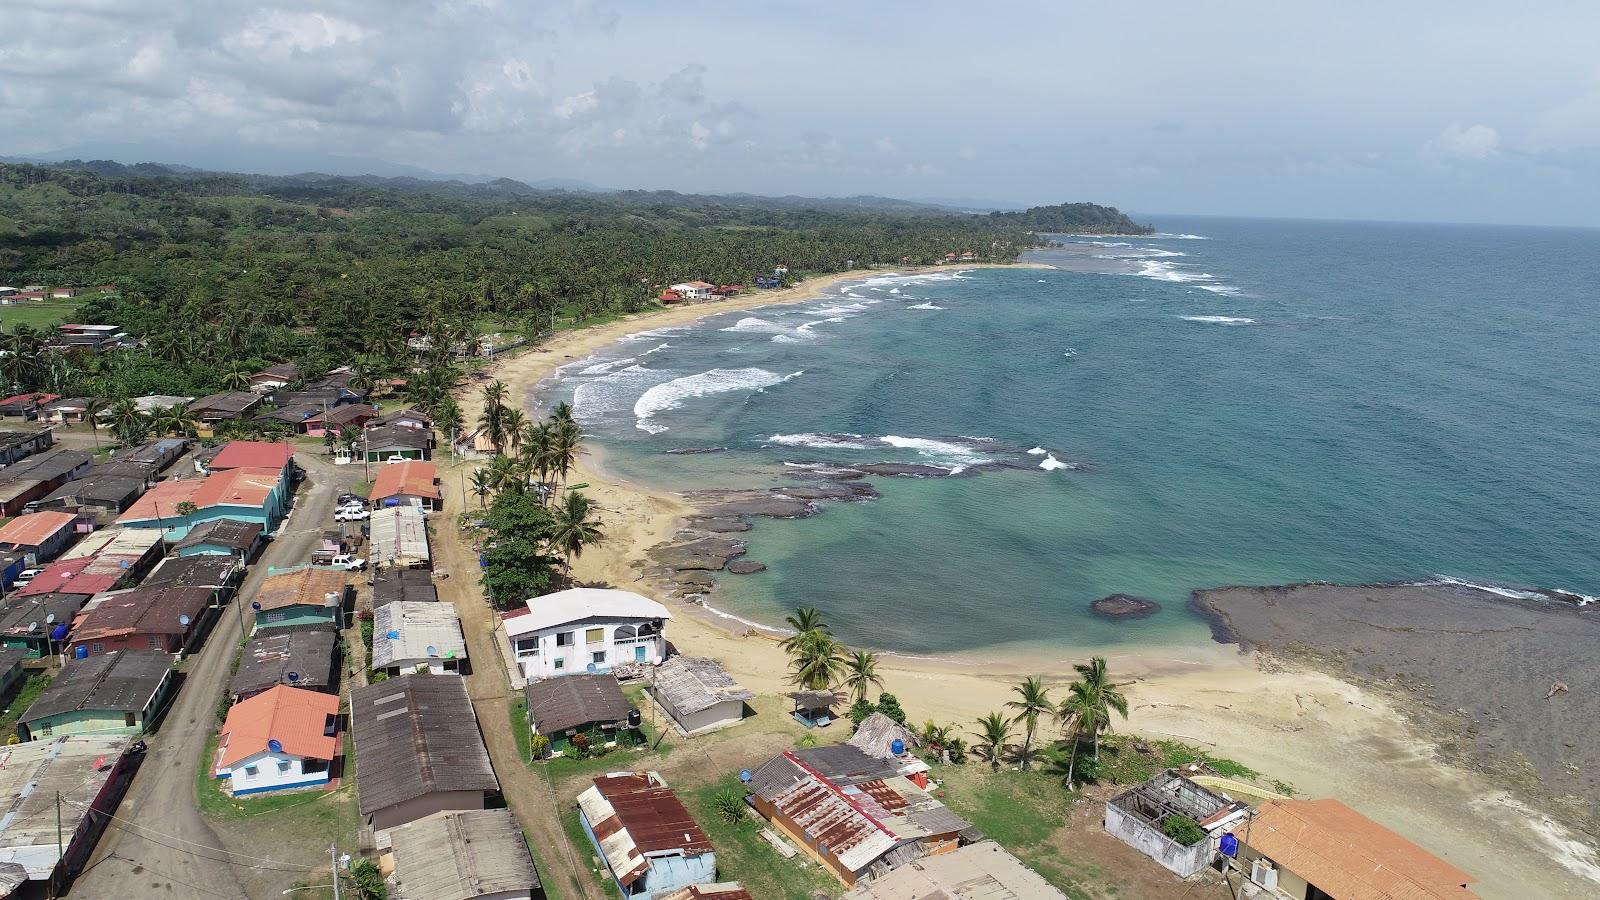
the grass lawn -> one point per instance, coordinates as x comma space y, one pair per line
32, 687
563, 767
744, 856
586, 853
38, 313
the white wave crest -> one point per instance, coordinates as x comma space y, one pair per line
891, 290
786, 339
654, 333
957, 456
1219, 320
1165, 271
820, 441
1050, 463
755, 325
594, 400
1162, 235
606, 368
672, 394
927, 305
1501, 590
1226, 290
1038, 451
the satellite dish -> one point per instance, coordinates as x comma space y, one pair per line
33, 626
393, 635
432, 650
184, 620
744, 775
50, 619
293, 676
255, 605
591, 668
275, 745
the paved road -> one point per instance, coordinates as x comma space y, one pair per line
162, 845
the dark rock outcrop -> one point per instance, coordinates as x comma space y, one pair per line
746, 567
1124, 606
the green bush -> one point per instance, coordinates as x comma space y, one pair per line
1183, 829
729, 805
889, 705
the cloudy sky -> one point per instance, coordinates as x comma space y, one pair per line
1461, 111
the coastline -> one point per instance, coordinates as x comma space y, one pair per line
1326, 735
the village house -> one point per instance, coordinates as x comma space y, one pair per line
586, 630
853, 813
27, 296
394, 443
66, 411
474, 855
336, 419
223, 537
302, 656
40, 536
274, 377
593, 705
59, 796
25, 406
105, 560
693, 290
410, 637
1135, 817
38, 475
398, 539
280, 739
149, 403
228, 406
412, 585
160, 453
420, 749
174, 507
295, 415
981, 871
1319, 849
37, 624
168, 618
94, 338
403, 418
220, 575
728, 890
117, 693
303, 595
650, 843
410, 483
63, 293
254, 455
99, 496
11, 672
699, 694
17, 445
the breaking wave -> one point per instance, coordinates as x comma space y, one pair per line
672, 394
1220, 320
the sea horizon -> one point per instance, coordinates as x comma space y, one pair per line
1010, 554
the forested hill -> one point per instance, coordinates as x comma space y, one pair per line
1088, 218
221, 273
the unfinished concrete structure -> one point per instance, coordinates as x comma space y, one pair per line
1135, 816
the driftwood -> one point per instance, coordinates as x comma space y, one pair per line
1557, 687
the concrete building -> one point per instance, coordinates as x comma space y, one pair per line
116, 693
981, 871
255, 495
1135, 817
420, 749
407, 636
699, 694
304, 595
409, 483
586, 630
280, 739
651, 845
167, 618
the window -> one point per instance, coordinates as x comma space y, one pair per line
623, 634
47, 729
528, 646
598, 657
564, 639
560, 664
594, 636
156, 642
97, 647
251, 771
283, 767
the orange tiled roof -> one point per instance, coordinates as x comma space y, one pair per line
1350, 856
252, 454
413, 478
234, 487
294, 717
34, 529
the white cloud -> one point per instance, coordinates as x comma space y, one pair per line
886, 144
1473, 142
576, 104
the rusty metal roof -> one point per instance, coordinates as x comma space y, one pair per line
635, 815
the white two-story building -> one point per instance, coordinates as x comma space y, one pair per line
586, 630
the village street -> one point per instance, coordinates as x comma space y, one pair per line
160, 844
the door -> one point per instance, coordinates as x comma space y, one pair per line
638, 653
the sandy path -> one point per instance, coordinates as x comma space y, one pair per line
1322, 735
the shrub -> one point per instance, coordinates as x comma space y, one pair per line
369, 881
729, 805
1183, 829
538, 746
859, 711
889, 705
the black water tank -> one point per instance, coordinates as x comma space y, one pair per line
634, 719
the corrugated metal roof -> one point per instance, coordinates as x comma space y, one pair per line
119, 681
694, 683
228, 533
981, 871
399, 537
158, 610
417, 734
252, 454
303, 586
418, 627
297, 719
412, 478
635, 815
34, 529
415, 585
307, 651
30, 776
461, 856
573, 701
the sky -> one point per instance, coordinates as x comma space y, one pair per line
1465, 111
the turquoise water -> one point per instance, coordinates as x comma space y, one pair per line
1252, 402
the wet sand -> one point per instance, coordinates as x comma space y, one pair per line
1323, 734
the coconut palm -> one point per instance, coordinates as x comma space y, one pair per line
514, 423
817, 660
805, 620
562, 413
993, 732
573, 528
1033, 700
1102, 698
128, 423
482, 485
237, 378
861, 674
92, 408
1073, 713
565, 437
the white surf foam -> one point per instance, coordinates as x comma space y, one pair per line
754, 324
653, 334
957, 456
1501, 590
1226, 290
1165, 271
1219, 320
606, 368
1162, 235
786, 339
928, 305
672, 394
1038, 451
820, 441
891, 290
1050, 463
594, 400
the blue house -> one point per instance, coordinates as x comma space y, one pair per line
650, 843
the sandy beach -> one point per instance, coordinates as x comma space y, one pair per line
1323, 735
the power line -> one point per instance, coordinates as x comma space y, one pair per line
126, 824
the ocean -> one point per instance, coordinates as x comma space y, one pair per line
1231, 401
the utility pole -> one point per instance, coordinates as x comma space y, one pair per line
333, 856
60, 848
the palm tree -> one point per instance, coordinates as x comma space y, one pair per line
1033, 700
513, 422
562, 414
127, 422
572, 528
818, 660
492, 419
1073, 713
565, 438
805, 620
482, 485
237, 378
92, 408
993, 732
861, 674
1102, 697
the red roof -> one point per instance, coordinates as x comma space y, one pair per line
33, 529
27, 398
73, 576
294, 717
232, 487
252, 454
412, 478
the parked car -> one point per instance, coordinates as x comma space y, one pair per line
346, 561
352, 514
350, 500
25, 576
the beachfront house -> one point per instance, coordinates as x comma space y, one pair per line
699, 694
693, 290
591, 705
409, 483
394, 443
1136, 817
411, 637
420, 748
280, 739
474, 855
117, 693
586, 630
852, 812
649, 842
1319, 849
